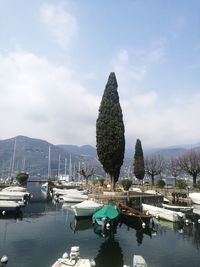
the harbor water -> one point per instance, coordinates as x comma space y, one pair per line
46, 230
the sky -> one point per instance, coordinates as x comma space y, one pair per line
56, 56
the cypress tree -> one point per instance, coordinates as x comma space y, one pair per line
138, 163
110, 141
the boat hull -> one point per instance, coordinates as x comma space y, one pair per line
131, 216
162, 213
195, 197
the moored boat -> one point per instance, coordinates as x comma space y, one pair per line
73, 259
132, 215
139, 261
105, 220
86, 208
178, 208
162, 213
195, 197
15, 196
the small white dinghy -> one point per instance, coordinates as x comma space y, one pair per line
86, 208
139, 261
169, 215
73, 259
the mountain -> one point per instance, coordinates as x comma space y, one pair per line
31, 155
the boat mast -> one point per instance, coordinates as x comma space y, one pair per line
49, 163
65, 166
13, 158
70, 167
59, 165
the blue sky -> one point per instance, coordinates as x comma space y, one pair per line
56, 56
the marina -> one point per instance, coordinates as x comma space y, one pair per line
45, 232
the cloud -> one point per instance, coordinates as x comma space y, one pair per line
145, 112
43, 100
62, 25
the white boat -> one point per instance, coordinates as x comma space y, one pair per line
14, 189
15, 196
138, 261
86, 208
169, 215
178, 208
73, 198
196, 209
195, 197
57, 191
73, 260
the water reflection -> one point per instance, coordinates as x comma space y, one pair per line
140, 232
109, 254
80, 225
103, 231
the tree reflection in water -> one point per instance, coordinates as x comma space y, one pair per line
110, 254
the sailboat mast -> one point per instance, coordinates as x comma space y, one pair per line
49, 162
70, 167
65, 166
13, 159
59, 165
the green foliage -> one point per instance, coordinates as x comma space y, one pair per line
161, 183
22, 178
198, 184
110, 131
101, 181
126, 183
181, 183
138, 163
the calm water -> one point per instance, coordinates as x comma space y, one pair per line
47, 231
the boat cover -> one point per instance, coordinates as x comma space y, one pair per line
107, 211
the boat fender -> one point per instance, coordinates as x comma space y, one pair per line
157, 216
4, 259
65, 255
198, 220
92, 263
3, 212
108, 226
143, 225
187, 221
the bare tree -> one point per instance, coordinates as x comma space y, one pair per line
86, 172
154, 165
174, 167
190, 164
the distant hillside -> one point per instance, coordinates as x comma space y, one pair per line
31, 155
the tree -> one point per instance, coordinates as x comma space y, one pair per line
190, 164
86, 172
126, 184
153, 166
22, 178
160, 183
138, 163
110, 131
174, 168
181, 184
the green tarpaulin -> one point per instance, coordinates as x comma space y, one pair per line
107, 211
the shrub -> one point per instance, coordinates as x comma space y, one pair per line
126, 183
181, 183
161, 183
101, 181
198, 184
22, 178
